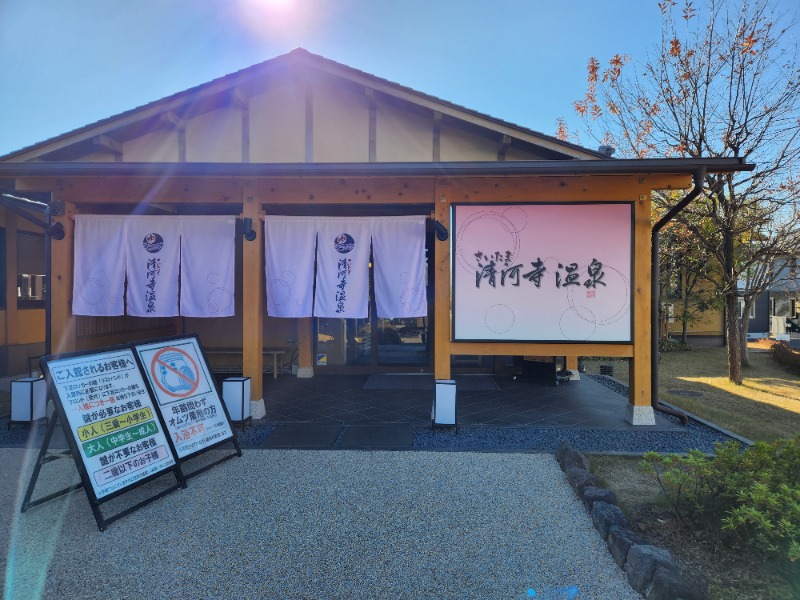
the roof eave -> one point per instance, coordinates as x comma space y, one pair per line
677, 166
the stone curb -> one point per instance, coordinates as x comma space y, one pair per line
651, 570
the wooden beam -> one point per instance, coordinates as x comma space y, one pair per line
373, 124
546, 188
502, 147
346, 191
309, 121
538, 349
105, 143
246, 133
239, 98
169, 120
147, 191
437, 136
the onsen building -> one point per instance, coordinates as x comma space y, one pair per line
304, 212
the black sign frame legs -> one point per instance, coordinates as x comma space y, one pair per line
102, 522
41, 459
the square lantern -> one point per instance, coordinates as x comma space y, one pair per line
28, 399
236, 394
444, 403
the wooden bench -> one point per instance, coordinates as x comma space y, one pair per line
229, 360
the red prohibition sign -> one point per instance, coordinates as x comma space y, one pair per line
174, 380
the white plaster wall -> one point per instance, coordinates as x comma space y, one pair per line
341, 124
215, 136
277, 125
158, 146
402, 135
517, 154
458, 145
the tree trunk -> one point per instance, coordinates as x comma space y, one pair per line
732, 326
734, 337
684, 318
744, 328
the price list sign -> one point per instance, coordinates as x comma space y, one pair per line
110, 415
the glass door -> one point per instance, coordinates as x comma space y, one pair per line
377, 345
403, 342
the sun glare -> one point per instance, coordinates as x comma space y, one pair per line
271, 3
283, 21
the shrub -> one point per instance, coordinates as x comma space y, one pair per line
673, 345
748, 498
786, 357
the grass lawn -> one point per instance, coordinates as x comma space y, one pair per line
766, 407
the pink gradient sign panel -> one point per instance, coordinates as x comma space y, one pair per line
542, 272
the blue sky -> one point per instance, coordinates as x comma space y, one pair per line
67, 63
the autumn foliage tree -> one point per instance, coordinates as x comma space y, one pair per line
688, 274
723, 82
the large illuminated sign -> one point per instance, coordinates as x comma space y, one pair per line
545, 272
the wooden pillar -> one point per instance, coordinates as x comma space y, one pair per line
441, 256
572, 365
253, 307
62, 323
12, 322
640, 411
305, 347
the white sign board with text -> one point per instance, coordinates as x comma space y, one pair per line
547, 272
112, 418
189, 402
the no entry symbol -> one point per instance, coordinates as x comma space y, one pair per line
174, 372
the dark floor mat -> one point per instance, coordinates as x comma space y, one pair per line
303, 435
390, 435
464, 383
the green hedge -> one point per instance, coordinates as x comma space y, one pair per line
748, 498
672, 345
786, 357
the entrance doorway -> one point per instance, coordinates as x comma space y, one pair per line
378, 345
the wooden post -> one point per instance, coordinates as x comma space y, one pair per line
12, 322
441, 256
253, 309
640, 411
305, 345
62, 324
572, 365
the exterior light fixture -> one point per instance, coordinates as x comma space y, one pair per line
441, 231
247, 229
55, 231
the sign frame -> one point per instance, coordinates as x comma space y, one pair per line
79, 452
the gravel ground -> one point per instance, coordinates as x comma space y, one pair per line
300, 524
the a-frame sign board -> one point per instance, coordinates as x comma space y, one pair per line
115, 433
180, 381
118, 435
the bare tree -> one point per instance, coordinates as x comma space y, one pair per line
723, 82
